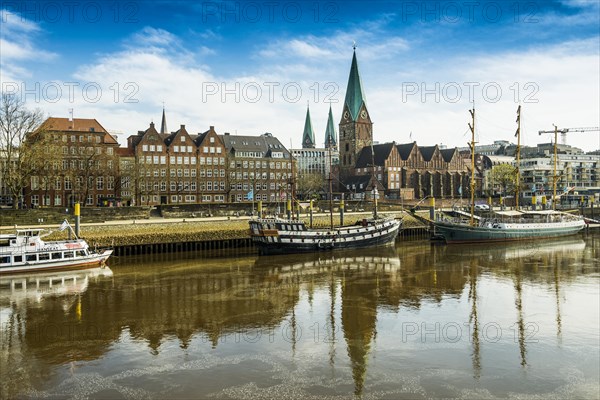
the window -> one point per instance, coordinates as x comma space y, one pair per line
212, 139
57, 200
159, 147
109, 151
144, 147
183, 139
189, 149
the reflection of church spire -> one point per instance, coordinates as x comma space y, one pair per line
308, 137
331, 333
359, 317
520, 323
557, 293
474, 320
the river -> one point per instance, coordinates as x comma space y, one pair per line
415, 321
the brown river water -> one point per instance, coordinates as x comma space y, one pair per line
411, 321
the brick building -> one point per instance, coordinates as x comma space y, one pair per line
82, 165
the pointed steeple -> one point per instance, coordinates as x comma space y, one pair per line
330, 133
163, 124
355, 95
308, 137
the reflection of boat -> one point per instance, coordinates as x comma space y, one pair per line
278, 236
35, 286
25, 251
508, 225
517, 250
354, 259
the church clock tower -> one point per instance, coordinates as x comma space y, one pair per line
356, 128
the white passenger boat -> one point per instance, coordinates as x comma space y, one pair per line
26, 251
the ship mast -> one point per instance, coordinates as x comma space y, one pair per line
472, 145
330, 193
554, 176
518, 163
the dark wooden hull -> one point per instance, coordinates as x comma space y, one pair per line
322, 240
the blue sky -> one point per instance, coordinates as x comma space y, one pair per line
251, 67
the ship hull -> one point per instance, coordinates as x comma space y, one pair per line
92, 261
460, 233
290, 241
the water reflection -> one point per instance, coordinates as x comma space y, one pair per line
368, 300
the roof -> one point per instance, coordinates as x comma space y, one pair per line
80, 125
265, 144
381, 152
427, 152
308, 137
355, 95
75, 125
405, 149
447, 154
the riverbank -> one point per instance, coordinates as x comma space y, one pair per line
185, 230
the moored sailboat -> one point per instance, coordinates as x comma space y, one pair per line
505, 226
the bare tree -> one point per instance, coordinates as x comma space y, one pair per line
310, 184
20, 160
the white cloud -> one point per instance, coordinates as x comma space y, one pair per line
159, 67
17, 44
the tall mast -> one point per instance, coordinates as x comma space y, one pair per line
472, 145
554, 176
518, 163
330, 193
374, 182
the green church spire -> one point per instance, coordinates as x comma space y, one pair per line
308, 137
330, 133
355, 95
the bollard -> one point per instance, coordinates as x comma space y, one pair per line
342, 211
432, 208
544, 202
77, 212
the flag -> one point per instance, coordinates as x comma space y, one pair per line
63, 226
251, 195
460, 190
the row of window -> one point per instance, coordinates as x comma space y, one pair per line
56, 184
182, 160
58, 200
79, 138
86, 150
182, 149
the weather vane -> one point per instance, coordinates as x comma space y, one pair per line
354, 44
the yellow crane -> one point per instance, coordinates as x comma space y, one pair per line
563, 134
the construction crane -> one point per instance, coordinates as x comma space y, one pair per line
563, 135
563, 132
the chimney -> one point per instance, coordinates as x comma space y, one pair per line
182, 126
212, 128
226, 133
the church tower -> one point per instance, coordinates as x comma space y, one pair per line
163, 124
330, 133
308, 137
356, 128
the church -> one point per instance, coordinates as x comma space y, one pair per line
398, 171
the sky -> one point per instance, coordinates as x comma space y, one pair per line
252, 67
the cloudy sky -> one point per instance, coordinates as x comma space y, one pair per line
252, 67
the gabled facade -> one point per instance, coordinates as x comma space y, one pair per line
176, 168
